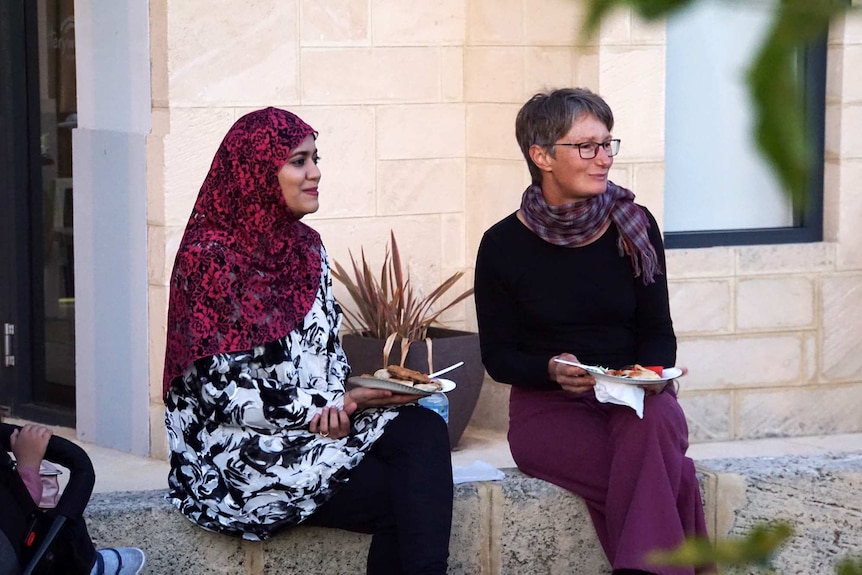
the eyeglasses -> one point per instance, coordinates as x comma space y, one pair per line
589, 150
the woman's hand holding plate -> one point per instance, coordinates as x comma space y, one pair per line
570, 377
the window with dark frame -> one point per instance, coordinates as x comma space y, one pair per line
807, 219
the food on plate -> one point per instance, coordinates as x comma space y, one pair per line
410, 377
399, 372
636, 371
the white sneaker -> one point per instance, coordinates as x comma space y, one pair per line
119, 561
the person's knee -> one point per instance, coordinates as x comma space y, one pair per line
423, 418
663, 418
423, 428
663, 408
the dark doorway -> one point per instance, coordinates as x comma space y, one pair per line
38, 110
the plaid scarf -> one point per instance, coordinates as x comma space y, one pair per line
579, 223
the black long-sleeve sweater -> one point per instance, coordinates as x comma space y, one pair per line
535, 300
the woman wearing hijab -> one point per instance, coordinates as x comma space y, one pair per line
577, 274
263, 434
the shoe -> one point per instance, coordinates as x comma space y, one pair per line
119, 561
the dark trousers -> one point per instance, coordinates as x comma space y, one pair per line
401, 493
640, 488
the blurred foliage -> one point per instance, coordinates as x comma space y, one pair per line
774, 85
850, 566
757, 548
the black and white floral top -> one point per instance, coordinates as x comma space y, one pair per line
242, 459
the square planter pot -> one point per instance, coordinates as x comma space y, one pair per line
365, 355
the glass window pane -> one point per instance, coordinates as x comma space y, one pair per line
715, 177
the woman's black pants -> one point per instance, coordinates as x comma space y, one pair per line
401, 493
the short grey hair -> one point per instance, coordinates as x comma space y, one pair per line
548, 116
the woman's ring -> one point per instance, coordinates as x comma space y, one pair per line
324, 434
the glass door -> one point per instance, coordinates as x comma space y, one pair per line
37, 266
58, 117
15, 149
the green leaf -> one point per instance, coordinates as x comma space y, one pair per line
597, 10
776, 91
756, 548
653, 9
849, 566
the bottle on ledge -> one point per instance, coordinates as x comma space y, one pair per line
437, 402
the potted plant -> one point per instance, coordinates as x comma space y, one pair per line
388, 307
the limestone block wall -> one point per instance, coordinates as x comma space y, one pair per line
415, 105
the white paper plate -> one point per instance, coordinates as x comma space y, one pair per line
395, 387
599, 373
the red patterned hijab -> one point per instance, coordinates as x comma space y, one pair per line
247, 270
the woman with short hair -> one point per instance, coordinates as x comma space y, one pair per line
578, 274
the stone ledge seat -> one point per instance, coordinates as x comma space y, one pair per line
517, 526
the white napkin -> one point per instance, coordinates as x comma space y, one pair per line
476, 471
621, 394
